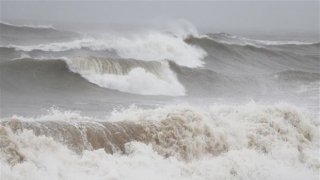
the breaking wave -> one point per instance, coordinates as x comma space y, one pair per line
233, 139
125, 75
128, 75
151, 47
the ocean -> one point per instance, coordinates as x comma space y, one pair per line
144, 102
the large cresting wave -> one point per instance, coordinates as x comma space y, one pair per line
128, 75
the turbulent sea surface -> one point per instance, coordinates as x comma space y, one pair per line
152, 103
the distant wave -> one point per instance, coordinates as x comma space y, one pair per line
292, 75
10, 53
248, 41
27, 26
125, 75
261, 59
289, 49
32, 35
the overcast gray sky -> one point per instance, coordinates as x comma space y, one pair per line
261, 15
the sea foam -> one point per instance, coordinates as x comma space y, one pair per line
258, 142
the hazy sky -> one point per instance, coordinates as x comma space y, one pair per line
261, 15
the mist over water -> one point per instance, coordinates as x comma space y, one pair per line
151, 102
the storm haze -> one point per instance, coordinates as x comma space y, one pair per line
297, 16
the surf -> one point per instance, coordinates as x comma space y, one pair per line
279, 136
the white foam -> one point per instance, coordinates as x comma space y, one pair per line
56, 114
136, 81
263, 142
153, 46
281, 132
161, 47
139, 81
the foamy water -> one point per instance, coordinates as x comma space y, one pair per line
225, 142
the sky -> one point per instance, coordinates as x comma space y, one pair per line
245, 15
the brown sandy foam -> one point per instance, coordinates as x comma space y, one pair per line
173, 136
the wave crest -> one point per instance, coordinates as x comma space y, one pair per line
151, 47
128, 75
